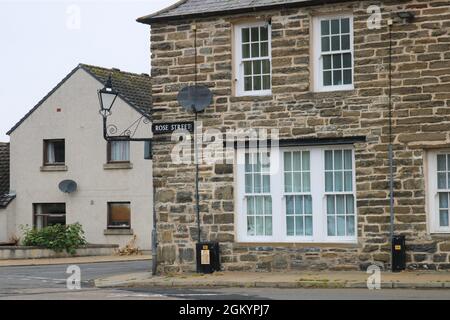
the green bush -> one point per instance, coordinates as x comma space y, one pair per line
57, 237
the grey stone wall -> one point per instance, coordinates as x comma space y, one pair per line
421, 93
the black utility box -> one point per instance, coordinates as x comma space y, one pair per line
398, 254
208, 257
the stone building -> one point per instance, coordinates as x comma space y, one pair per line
317, 71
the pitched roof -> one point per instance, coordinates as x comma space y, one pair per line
5, 196
191, 8
134, 89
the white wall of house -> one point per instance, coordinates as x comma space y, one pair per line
79, 123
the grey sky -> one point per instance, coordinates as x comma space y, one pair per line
42, 41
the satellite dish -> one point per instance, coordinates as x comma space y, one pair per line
195, 98
67, 186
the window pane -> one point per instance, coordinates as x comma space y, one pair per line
288, 161
305, 161
297, 161
327, 62
288, 182
345, 25
255, 34
442, 180
250, 206
264, 49
331, 226
347, 59
245, 35
259, 205
308, 205
268, 226
248, 84
249, 183
297, 182
328, 160
290, 225
340, 205
306, 182
251, 226
247, 68
335, 43
325, 44
327, 78
290, 205
329, 181
441, 162
348, 159
299, 205
255, 50
338, 181
308, 226
59, 149
348, 183
345, 42
260, 225
266, 184
337, 78
325, 27
246, 51
257, 67
348, 79
299, 225
330, 205
350, 204
257, 83
266, 82
443, 200
340, 226
338, 160
257, 184
443, 218
335, 28
268, 206
119, 151
266, 66
350, 226
337, 61
264, 33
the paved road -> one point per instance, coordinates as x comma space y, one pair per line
49, 282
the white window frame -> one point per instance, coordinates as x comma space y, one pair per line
433, 193
279, 232
318, 59
239, 63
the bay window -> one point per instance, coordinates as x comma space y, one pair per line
296, 194
439, 191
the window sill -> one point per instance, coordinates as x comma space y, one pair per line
245, 98
54, 168
118, 232
118, 166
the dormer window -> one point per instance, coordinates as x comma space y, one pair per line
253, 59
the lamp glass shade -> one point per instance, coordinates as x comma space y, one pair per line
107, 99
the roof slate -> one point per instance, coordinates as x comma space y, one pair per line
5, 196
134, 89
198, 7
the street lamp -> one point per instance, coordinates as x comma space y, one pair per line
107, 97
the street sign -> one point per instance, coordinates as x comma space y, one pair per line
161, 128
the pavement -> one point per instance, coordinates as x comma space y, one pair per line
72, 260
324, 280
49, 282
